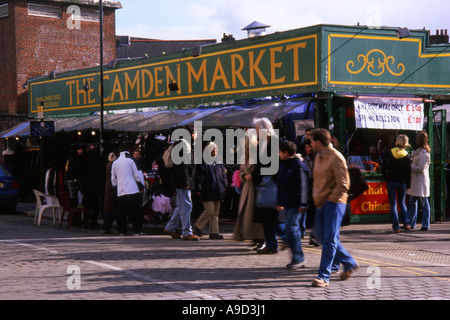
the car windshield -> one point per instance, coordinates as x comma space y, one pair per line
4, 172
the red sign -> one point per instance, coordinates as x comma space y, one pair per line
373, 201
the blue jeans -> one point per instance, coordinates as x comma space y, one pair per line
396, 192
181, 216
411, 217
293, 234
327, 227
271, 230
303, 223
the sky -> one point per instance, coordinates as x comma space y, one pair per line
210, 19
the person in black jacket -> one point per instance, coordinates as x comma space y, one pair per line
183, 180
396, 171
293, 186
211, 186
92, 182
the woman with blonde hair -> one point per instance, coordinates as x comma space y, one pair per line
271, 220
420, 184
396, 170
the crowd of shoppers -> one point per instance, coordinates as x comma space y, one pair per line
315, 187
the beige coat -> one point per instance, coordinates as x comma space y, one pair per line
420, 177
331, 177
245, 228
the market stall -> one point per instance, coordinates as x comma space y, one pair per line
368, 129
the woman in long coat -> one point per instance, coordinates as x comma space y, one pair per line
246, 228
420, 184
110, 198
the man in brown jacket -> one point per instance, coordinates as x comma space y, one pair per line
330, 187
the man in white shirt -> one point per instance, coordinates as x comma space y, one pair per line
126, 177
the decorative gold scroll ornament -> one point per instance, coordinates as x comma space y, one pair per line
383, 64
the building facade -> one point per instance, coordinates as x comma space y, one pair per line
41, 38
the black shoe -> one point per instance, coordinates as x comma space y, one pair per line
423, 229
266, 250
216, 236
314, 242
260, 246
294, 266
197, 231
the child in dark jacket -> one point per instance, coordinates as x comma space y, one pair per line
292, 198
211, 187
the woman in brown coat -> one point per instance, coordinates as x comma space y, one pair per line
110, 198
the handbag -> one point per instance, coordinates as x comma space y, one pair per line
266, 193
161, 204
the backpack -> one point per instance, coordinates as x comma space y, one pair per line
167, 156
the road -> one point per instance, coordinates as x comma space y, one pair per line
47, 263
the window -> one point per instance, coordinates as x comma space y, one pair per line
44, 10
90, 14
4, 12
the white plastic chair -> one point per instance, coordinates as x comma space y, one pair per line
51, 202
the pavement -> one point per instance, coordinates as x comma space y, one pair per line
47, 263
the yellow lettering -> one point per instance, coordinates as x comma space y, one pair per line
368, 206
117, 88
132, 84
90, 98
275, 65
237, 72
80, 92
254, 67
295, 48
146, 94
105, 99
158, 82
70, 84
197, 76
219, 74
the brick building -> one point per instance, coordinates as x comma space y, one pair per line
41, 38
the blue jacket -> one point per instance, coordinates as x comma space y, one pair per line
293, 184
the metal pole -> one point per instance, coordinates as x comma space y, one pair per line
443, 158
431, 172
101, 76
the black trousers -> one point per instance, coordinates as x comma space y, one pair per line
129, 206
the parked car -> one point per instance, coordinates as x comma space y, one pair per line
9, 191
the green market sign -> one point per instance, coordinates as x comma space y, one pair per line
319, 58
259, 69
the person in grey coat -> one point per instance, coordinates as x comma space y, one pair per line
420, 184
